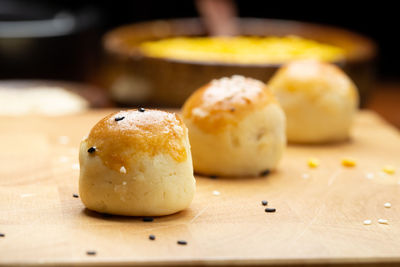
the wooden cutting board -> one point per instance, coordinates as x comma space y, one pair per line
319, 216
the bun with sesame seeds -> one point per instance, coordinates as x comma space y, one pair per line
319, 100
236, 127
137, 163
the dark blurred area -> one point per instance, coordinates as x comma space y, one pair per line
44, 40
71, 49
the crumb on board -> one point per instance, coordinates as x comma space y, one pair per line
216, 193
389, 169
349, 162
369, 175
63, 140
313, 162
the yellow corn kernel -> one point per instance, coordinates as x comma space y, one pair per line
349, 162
389, 169
313, 162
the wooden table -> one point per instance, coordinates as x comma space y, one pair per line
319, 217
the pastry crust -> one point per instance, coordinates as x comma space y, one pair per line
137, 163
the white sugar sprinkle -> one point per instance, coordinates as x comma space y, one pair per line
387, 205
382, 221
123, 183
216, 193
75, 166
367, 222
122, 170
305, 176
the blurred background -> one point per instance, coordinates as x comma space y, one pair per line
79, 46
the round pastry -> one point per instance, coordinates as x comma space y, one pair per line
137, 163
236, 128
319, 100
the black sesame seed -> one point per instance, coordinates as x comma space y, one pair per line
2, 235
148, 219
91, 252
91, 149
264, 203
75, 195
181, 242
119, 118
152, 237
265, 173
270, 210
141, 109
213, 176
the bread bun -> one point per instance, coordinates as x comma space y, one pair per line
236, 127
137, 163
319, 100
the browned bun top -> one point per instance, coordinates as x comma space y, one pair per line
123, 136
313, 78
226, 101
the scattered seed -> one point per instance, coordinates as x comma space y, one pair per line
141, 109
265, 173
270, 210
119, 118
75, 195
387, 205
213, 176
232, 110
367, 222
313, 162
216, 193
152, 237
389, 169
122, 170
148, 219
348, 162
2, 235
91, 252
264, 202
382, 221
92, 149
181, 242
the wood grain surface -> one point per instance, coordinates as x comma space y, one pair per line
318, 219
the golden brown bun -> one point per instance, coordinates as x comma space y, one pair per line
236, 127
319, 101
141, 164
225, 102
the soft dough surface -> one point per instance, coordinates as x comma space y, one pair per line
319, 101
236, 128
142, 165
